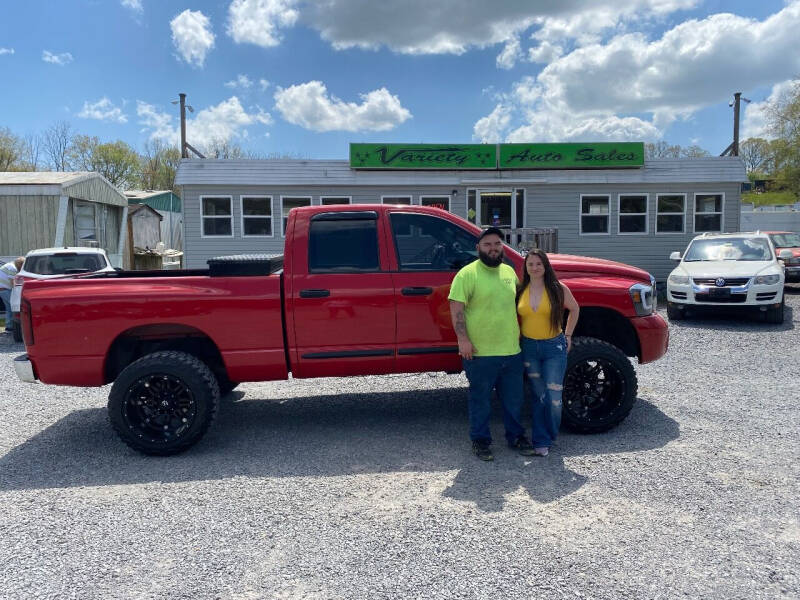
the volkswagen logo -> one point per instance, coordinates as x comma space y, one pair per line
720, 282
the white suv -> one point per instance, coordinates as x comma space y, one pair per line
47, 263
727, 269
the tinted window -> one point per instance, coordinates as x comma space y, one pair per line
426, 243
343, 246
60, 264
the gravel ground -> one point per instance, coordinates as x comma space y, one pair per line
366, 488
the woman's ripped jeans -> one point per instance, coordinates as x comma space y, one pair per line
545, 362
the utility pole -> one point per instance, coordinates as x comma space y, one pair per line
733, 149
185, 146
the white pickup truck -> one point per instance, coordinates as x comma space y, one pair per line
47, 263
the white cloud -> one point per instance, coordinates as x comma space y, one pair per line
455, 26
259, 21
309, 106
510, 54
134, 5
241, 81
56, 59
544, 53
263, 84
492, 128
633, 88
755, 120
192, 36
6, 51
221, 123
102, 110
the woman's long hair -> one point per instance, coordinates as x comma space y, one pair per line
551, 285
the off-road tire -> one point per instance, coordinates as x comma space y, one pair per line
674, 313
17, 333
774, 315
599, 386
169, 389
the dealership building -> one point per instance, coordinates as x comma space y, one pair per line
605, 199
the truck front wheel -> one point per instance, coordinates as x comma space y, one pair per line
599, 386
163, 403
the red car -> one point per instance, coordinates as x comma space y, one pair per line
788, 240
359, 290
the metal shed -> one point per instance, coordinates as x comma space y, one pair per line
634, 215
43, 209
168, 205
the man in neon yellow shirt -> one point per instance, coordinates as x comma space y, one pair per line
484, 312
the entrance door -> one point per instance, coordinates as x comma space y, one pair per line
496, 208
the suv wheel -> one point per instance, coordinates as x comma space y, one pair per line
774, 314
674, 312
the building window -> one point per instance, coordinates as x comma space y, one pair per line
594, 215
217, 216
256, 216
345, 246
395, 199
472, 213
708, 212
670, 213
84, 217
287, 204
328, 200
442, 202
632, 214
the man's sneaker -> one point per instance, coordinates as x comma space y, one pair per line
542, 451
522, 446
482, 451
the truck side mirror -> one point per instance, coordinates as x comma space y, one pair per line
675, 256
785, 254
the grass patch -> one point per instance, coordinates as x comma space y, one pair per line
769, 198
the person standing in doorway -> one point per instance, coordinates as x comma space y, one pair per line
7, 273
484, 317
541, 302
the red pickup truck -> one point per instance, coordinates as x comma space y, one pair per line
360, 290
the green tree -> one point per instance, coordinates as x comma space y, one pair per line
783, 117
158, 165
12, 151
117, 162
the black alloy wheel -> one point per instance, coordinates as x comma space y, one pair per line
164, 402
159, 408
599, 386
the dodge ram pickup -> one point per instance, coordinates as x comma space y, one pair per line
359, 290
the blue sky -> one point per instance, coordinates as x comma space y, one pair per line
297, 78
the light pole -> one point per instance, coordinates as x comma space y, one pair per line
185, 146
733, 149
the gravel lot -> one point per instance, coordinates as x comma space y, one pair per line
365, 488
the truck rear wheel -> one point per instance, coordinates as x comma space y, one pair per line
599, 386
163, 403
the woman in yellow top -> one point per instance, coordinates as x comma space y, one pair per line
541, 302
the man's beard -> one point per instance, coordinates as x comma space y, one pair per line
489, 261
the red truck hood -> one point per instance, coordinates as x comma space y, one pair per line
570, 263
795, 251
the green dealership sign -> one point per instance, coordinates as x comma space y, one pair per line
601, 155
423, 156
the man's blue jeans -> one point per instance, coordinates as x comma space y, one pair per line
5, 297
485, 373
545, 362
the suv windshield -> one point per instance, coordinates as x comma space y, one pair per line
786, 240
748, 249
64, 263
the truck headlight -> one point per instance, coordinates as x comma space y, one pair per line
767, 279
679, 279
643, 298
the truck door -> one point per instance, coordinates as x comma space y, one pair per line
429, 252
341, 300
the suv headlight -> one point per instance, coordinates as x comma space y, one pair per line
767, 279
643, 298
679, 279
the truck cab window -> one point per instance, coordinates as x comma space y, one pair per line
426, 243
343, 246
